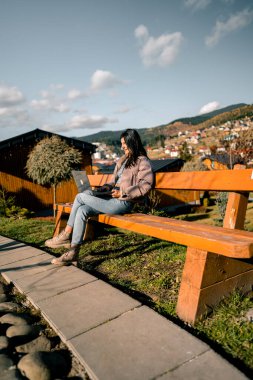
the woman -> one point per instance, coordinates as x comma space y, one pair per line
132, 180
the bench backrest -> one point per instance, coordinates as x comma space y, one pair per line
220, 180
237, 182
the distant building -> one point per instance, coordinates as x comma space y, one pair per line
221, 161
103, 167
158, 166
167, 165
174, 153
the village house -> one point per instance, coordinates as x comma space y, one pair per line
221, 161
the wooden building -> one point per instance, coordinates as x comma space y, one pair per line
13, 178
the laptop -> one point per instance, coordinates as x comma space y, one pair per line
83, 183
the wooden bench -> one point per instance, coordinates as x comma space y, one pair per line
218, 259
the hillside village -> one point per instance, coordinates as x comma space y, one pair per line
199, 142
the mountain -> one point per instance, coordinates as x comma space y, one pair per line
201, 118
151, 135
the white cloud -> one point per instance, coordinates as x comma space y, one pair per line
13, 117
80, 122
228, 1
197, 4
141, 32
221, 29
40, 104
10, 96
61, 108
4, 111
93, 121
161, 51
45, 94
53, 88
101, 80
75, 94
49, 104
209, 107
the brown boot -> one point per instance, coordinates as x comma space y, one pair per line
62, 240
68, 257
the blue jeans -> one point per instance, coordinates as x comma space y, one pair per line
85, 205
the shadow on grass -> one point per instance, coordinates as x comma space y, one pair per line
193, 218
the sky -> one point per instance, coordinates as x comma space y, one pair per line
77, 67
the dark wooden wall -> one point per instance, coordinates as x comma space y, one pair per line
30, 195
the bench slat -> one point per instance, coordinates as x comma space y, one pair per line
216, 180
193, 225
231, 245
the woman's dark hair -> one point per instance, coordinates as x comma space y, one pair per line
134, 144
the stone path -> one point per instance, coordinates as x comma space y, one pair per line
114, 336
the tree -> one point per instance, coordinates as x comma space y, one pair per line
184, 153
51, 161
244, 145
213, 149
195, 165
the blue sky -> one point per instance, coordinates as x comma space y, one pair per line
77, 67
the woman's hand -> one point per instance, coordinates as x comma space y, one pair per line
103, 188
116, 193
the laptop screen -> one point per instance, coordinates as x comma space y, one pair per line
81, 180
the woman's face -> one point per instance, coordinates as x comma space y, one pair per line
124, 147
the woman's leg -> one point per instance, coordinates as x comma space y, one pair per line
63, 239
86, 205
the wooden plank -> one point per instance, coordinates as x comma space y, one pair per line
63, 207
197, 296
236, 210
236, 207
217, 268
223, 243
190, 225
219, 180
99, 179
198, 302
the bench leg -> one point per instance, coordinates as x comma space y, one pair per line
60, 223
89, 233
207, 278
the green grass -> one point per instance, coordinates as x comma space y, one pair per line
150, 270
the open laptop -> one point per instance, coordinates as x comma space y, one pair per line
83, 183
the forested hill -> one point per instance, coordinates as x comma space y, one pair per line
150, 135
201, 118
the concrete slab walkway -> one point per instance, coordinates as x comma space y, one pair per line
114, 336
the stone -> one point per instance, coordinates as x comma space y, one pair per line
3, 298
8, 371
249, 315
2, 289
6, 307
42, 365
11, 374
41, 343
4, 342
22, 330
5, 362
15, 319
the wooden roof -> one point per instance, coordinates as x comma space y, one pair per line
38, 134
